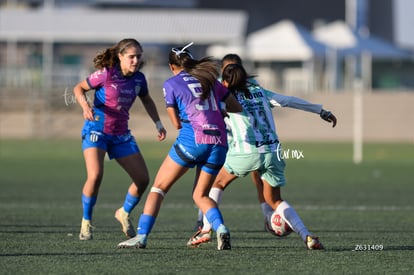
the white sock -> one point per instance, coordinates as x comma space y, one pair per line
267, 210
216, 195
200, 215
292, 218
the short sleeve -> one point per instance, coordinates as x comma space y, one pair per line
221, 91
97, 79
170, 100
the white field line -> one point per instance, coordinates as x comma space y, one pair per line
7, 206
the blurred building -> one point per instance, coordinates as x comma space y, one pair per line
47, 46
49, 43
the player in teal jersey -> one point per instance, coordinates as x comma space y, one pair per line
254, 146
232, 58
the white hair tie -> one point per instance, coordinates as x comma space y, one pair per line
178, 52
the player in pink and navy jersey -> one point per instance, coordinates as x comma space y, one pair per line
192, 97
117, 83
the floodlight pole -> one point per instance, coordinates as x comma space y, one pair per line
358, 121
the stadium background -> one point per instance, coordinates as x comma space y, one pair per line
38, 103
387, 117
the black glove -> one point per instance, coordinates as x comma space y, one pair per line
328, 116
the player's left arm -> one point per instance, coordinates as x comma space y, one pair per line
301, 104
152, 111
328, 116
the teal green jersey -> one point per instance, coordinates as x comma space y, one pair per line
254, 130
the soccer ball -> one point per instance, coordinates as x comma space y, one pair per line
279, 225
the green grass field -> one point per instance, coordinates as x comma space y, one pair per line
348, 206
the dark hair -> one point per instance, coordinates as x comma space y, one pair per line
205, 70
109, 57
236, 77
231, 58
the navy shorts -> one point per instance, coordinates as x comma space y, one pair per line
209, 157
117, 146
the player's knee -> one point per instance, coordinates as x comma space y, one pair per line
141, 183
94, 179
197, 197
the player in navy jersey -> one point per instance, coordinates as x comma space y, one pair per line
117, 83
192, 98
254, 147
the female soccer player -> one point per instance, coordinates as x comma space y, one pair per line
117, 83
255, 146
232, 58
192, 97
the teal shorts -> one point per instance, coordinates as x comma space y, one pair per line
270, 167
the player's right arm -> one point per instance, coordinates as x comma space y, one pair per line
80, 93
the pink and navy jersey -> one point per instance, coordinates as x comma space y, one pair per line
114, 96
182, 92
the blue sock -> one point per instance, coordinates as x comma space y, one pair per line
214, 217
130, 202
88, 203
145, 224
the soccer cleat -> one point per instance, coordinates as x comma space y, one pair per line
199, 237
139, 241
223, 238
86, 230
123, 218
313, 243
268, 228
